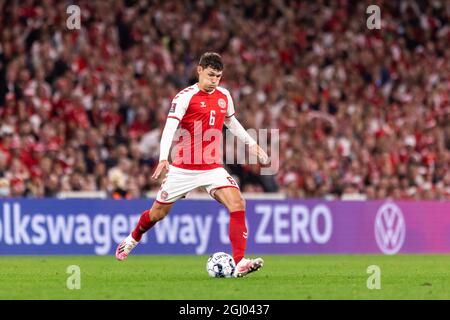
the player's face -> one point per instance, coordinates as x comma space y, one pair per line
208, 79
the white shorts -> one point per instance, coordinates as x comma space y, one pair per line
178, 182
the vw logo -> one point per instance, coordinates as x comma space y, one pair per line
390, 228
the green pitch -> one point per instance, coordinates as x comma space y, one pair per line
184, 277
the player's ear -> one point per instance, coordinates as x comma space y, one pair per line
199, 69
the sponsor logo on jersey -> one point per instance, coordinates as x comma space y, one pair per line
222, 103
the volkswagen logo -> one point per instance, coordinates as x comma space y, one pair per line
390, 228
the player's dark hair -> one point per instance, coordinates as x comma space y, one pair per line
211, 59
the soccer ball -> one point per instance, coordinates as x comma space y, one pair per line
220, 265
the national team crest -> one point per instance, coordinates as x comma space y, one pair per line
202, 104
222, 103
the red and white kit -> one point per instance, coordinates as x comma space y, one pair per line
198, 159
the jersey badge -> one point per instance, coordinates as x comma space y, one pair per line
222, 103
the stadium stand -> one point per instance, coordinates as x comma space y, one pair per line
360, 112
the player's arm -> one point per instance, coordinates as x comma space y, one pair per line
238, 130
176, 113
166, 142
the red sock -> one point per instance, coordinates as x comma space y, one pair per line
143, 225
238, 234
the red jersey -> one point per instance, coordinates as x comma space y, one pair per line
201, 117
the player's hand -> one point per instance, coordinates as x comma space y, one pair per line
260, 153
162, 165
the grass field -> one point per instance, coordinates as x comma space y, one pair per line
184, 277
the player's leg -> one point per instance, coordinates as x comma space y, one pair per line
232, 199
149, 218
224, 189
147, 221
175, 186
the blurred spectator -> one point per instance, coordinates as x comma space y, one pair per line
119, 178
359, 111
4, 188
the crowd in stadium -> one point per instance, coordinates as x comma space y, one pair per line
359, 111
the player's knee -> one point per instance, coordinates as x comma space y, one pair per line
158, 213
237, 205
